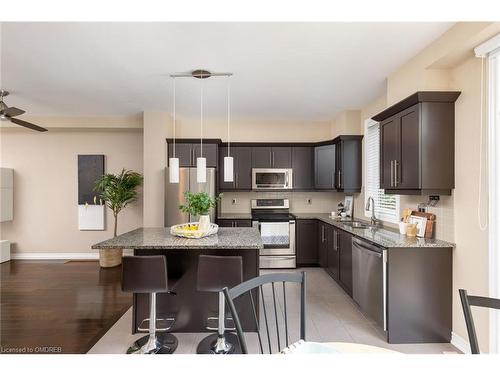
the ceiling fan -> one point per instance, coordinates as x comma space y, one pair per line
9, 114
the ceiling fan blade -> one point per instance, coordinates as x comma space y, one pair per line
28, 125
13, 111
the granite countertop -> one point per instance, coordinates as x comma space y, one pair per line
385, 237
160, 238
235, 216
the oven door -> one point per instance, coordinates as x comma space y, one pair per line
278, 237
264, 179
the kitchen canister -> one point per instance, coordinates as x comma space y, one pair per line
403, 227
411, 230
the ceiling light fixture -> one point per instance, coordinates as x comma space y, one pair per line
173, 162
201, 162
228, 160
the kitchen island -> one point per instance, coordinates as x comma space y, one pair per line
189, 307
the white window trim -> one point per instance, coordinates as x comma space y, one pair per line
368, 213
494, 197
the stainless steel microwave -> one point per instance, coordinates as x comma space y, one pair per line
271, 178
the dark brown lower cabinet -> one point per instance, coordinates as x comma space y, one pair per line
345, 261
332, 266
307, 242
234, 222
324, 238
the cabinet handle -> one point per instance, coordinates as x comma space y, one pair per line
340, 181
338, 240
392, 173
322, 233
396, 173
335, 241
270, 158
333, 179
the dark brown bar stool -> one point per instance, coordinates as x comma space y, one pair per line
148, 274
214, 274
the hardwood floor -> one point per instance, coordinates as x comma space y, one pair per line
57, 306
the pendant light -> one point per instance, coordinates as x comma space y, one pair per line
228, 160
173, 162
201, 162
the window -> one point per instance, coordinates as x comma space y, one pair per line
386, 206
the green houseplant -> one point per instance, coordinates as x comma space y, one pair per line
199, 204
116, 191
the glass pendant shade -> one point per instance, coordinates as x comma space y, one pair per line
201, 170
173, 170
228, 169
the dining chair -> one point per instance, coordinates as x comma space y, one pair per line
266, 297
467, 302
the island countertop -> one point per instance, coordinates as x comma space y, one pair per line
160, 238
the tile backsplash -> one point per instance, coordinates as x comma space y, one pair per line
239, 202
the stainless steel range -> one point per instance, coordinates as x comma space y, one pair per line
277, 229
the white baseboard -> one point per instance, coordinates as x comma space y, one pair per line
62, 256
460, 343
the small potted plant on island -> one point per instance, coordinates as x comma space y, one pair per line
116, 191
199, 204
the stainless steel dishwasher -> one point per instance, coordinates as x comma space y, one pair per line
369, 271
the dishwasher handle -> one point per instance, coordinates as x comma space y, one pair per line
368, 246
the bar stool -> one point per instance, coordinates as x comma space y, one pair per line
148, 274
215, 273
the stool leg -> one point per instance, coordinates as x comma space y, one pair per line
220, 342
154, 343
222, 346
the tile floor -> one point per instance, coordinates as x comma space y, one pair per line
331, 316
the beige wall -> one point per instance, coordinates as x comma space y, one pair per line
46, 191
156, 130
258, 131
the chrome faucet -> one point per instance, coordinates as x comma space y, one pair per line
373, 220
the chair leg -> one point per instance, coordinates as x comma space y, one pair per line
222, 342
155, 342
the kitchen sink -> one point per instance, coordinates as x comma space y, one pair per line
358, 225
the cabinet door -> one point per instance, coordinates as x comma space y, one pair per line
184, 152
408, 166
281, 157
307, 242
348, 163
389, 150
242, 223
262, 157
345, 261
225, 186
209, 152
324, 167
303, 167
243, 165
333, 253
322, 244
339, 177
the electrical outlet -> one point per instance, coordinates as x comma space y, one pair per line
233, 201
309, 201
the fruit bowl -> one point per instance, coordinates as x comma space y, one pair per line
190, 230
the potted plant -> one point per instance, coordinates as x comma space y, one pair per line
116, 191
199, 204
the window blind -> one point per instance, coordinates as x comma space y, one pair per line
386, 206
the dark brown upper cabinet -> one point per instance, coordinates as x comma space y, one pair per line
242, 168
303, 167
271, 157
188, 152
324, 167
348, 163
417, 150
